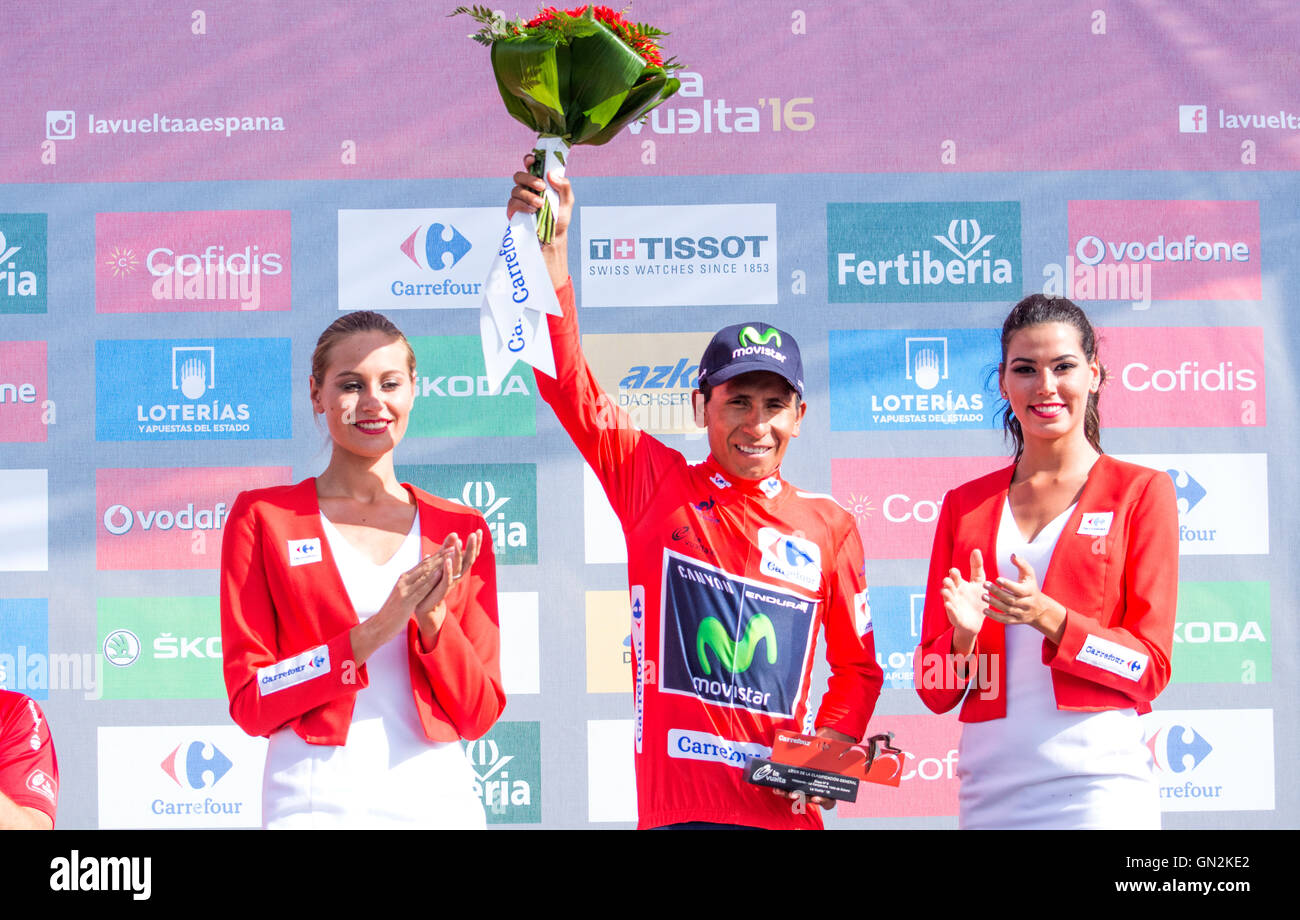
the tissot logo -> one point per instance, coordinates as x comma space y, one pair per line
923, 251
679, 254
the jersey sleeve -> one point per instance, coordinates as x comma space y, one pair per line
1132, 656
935, 676
628, 462
856, 676
464, 666
268, 689
29, 770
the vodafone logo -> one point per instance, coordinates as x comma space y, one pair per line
120, 519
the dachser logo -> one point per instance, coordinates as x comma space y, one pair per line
1161, 250
650, 377
192, 261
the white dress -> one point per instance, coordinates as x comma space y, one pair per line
388, 774
1042, 767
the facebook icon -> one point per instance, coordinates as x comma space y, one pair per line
1191, 119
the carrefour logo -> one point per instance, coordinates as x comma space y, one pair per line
196, 765
923, 251
444, 246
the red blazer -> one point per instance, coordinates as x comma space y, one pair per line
1119, 588
286, 618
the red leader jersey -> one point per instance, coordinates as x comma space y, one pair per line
730, 581
29, 771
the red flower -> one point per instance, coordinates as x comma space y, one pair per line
641, 44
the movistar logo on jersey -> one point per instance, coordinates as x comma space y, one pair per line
732, 641
735, 655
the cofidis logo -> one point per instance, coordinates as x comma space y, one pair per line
194, 389
896, 500
169, 518
923, 251
22, 263
25, 411
416, 258
929, 781
679, 255
454, 400
192, 261
1189, 250
912, 379
1195, 376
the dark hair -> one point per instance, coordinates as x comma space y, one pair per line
349, 324
1035, 310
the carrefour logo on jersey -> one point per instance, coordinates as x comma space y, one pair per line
192, 261
169, 518
507, 764
453, 397
413, 258
1189, 250
192, 389
1212, 759
732, 641
923, 251
650, 376
679, 255
1186, 376
160, 648
504, 493
1222, 500
911, 379
25, 411
22, 263
1224, 633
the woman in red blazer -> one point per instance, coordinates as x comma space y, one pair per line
359, 614
1061, 635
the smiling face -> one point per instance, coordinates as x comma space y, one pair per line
1047, 378
750, 420
365, 392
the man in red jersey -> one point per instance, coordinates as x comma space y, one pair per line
29, 772
732, 571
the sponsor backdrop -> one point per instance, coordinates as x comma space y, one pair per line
180, 218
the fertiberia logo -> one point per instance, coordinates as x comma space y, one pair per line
919, 252
22, 263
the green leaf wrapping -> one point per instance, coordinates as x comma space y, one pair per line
584, 91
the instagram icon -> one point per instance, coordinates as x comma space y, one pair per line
60, 125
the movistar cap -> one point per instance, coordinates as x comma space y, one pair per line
748, 347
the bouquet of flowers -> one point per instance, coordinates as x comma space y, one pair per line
575, 77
